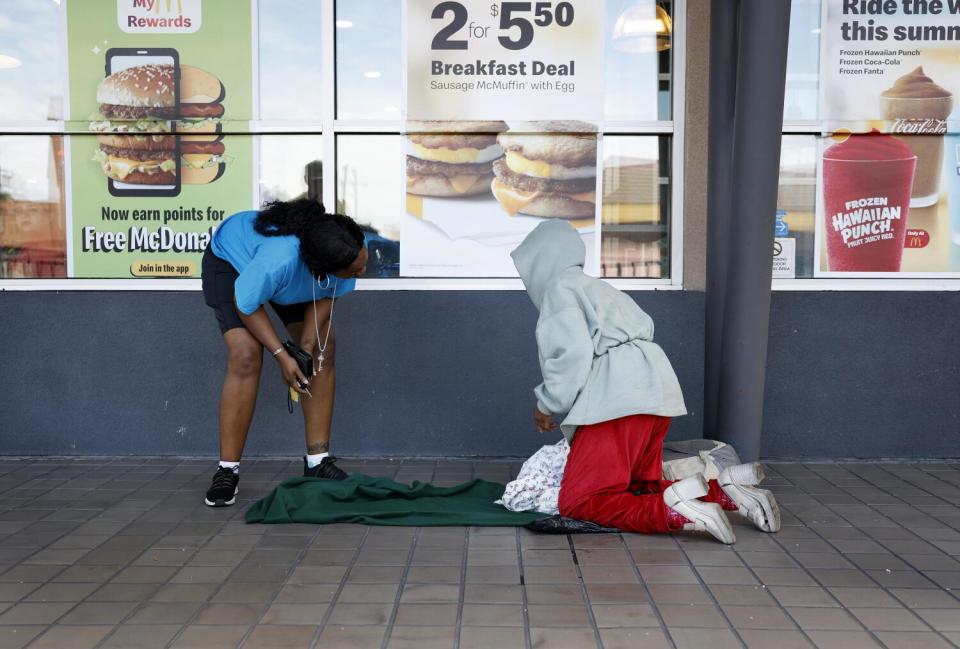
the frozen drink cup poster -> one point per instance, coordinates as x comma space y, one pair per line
890, 66
867, 180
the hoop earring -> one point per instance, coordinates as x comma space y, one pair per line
326, 285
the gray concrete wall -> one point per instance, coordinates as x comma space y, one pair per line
863, 375
419, 374
450, 373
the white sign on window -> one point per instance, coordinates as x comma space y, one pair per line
477, 60
785, 258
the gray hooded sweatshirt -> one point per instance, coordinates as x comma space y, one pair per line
597, 354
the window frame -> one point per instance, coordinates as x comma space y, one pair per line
329, 127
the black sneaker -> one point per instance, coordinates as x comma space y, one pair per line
223, 490
326, 469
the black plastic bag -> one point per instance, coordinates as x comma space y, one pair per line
563, 525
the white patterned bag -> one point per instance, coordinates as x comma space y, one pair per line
537, 487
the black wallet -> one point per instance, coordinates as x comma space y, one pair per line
304, 360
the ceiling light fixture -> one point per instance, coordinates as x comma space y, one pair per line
643, 27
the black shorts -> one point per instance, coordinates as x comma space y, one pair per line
218, 277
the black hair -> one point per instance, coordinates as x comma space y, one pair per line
328, 242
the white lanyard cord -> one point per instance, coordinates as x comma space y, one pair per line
316, 325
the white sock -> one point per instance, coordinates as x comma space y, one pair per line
314, 460
230, 465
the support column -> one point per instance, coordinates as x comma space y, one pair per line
746, 91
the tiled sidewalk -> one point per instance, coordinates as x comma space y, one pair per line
123, 553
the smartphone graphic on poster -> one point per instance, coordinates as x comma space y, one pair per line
140, 99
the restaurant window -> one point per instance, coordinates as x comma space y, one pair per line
636, 207
293, 99
629, 236
291, 166
33, 240
289, 57
31, 63
869, 192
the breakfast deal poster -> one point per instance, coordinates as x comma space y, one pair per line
502, 107
160, 96
889, 174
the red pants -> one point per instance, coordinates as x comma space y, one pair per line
609, 463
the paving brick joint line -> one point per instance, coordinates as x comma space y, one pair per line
584, 593
98, 552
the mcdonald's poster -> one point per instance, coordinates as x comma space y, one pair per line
502, 105
159, 106
889, 168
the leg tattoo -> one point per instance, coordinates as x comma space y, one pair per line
317, 447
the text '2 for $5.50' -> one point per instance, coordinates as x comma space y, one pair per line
516, 28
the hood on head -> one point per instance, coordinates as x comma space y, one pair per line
553, 247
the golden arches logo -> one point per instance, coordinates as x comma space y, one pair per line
916, 239
156, 6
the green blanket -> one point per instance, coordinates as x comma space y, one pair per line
380, 501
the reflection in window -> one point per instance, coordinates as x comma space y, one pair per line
803, 61
369, 59
31, 63
32, 218
289, 50
369, 189
635, 231
290, 167
638, 59
797, 196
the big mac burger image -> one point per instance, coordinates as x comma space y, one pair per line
135, 142
136, 145
549, 170
201, 142
452, 159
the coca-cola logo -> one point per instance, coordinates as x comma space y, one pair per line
928, 126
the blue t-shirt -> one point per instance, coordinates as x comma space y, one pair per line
270, 268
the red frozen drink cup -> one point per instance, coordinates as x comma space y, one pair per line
867, 182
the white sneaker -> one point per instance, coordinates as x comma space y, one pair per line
706, 517
740, 484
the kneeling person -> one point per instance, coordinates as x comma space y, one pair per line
619, 392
